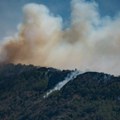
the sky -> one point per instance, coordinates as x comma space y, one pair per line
11, 12
64, 34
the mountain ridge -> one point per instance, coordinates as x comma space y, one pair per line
90, 96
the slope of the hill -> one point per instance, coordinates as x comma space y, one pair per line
90, 96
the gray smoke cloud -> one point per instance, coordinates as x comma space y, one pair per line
89, 43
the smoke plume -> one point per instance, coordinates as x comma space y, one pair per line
60, 85
90, 42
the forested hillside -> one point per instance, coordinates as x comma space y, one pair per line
90, 96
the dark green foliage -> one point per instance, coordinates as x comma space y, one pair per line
91, 96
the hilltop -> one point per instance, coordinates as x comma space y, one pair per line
89, 96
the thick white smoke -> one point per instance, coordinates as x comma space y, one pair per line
90, 42
68, 78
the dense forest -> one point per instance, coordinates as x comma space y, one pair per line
90, 96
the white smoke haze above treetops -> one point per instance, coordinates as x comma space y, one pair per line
90, 42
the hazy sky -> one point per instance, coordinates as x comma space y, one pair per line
90, 39
11, 11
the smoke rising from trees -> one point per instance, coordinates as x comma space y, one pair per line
90, 42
